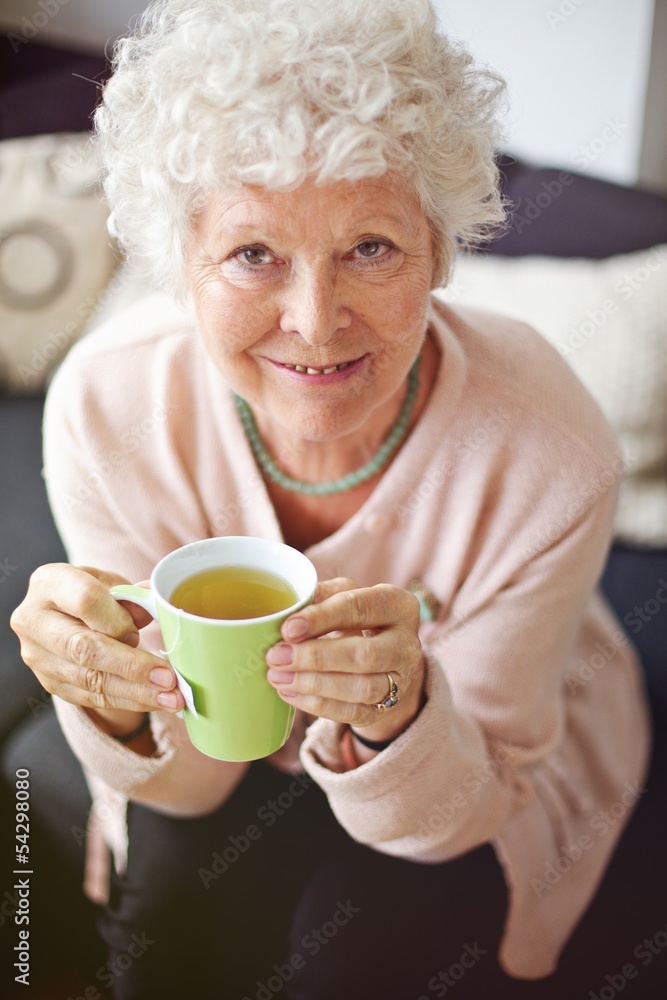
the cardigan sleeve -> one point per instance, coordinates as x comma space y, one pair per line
495, 704
122, 499
177, 781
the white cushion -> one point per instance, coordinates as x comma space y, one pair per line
608, 318
56, 257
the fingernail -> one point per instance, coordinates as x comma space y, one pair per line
168, 699
281, 676
295, 628
280, 655
162, 677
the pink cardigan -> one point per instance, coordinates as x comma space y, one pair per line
535, 734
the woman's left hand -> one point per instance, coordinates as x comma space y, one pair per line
336, 653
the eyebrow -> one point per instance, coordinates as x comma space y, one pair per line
258, 236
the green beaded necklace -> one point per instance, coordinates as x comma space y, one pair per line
384, 452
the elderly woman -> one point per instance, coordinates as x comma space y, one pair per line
297, 177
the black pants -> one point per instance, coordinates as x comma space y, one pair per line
269, 897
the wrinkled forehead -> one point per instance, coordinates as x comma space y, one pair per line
382, 205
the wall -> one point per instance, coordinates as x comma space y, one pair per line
84, 24
653, 160
577, 71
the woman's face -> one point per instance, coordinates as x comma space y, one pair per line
312, 303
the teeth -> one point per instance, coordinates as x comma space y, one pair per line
318, 371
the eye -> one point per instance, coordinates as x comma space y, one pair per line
257, 256
372, 252
372, 248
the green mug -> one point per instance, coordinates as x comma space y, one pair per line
232, 712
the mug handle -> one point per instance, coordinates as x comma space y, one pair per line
144, 598
137, 595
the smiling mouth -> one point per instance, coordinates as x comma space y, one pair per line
317, 371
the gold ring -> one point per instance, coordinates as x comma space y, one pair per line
391, 697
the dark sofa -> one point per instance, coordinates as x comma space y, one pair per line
38, 93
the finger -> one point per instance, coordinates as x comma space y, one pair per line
338, 711
390, 650
357, 689
82, 593
361, 608
71, 642
94, 688
326, 588
115, 693
140, 616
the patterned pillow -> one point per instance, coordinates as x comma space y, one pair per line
608, 318
56, 257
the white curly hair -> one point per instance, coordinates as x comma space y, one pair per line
214, 94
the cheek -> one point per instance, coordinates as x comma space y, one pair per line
400, 310
232, 319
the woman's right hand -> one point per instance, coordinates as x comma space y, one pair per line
80, 642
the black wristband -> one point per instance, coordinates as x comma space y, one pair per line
382, 744
128, 737
373, 744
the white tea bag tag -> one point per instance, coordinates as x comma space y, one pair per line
184, 688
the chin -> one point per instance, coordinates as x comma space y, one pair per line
322, 423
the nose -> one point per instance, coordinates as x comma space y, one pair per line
313, 305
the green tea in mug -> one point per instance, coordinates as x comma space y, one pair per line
233, 592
